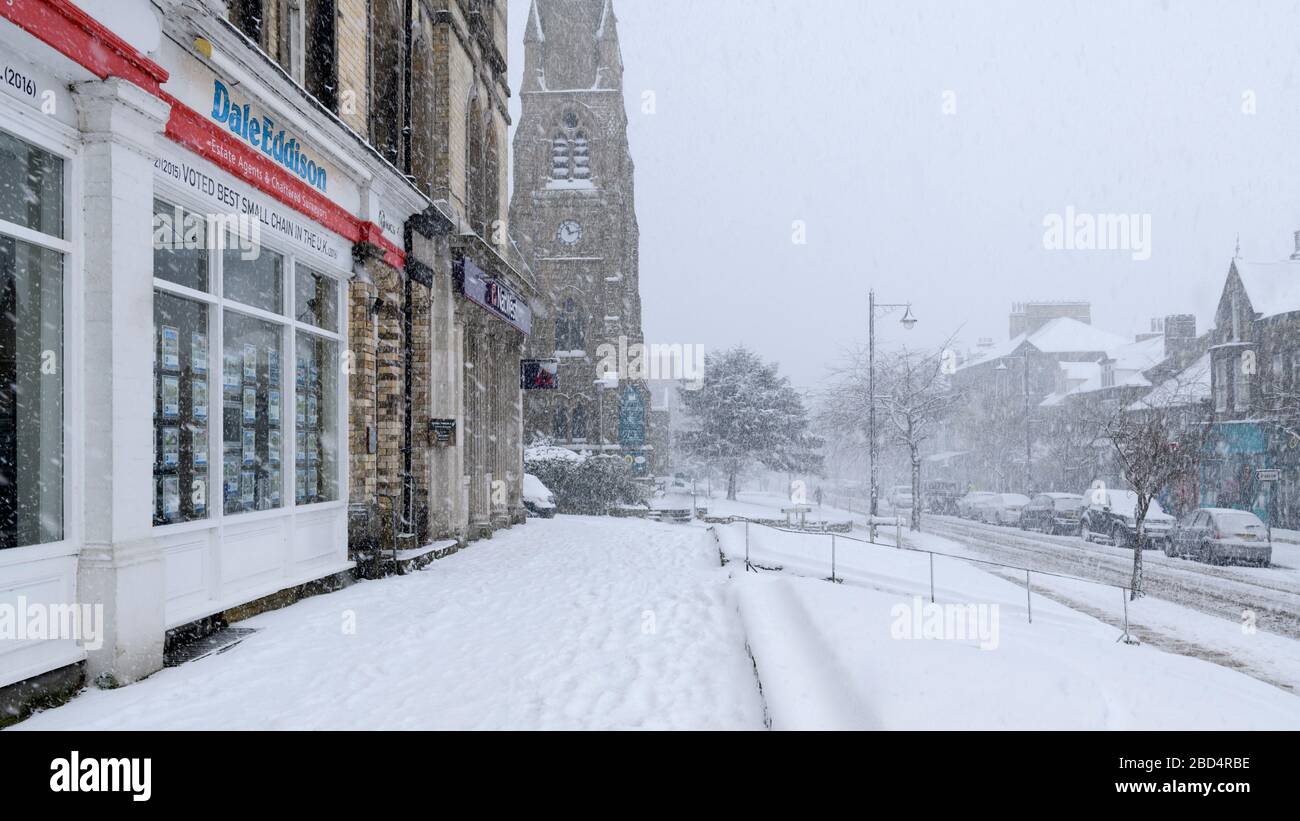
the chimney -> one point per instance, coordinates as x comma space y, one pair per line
1180, 334
1296, 255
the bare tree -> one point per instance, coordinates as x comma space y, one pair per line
913, 393
1156, 442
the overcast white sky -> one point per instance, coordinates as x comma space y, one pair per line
830, 112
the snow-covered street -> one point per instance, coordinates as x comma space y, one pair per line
573, 622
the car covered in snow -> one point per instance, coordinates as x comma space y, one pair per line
1111, 516
900, 497
1221, 535
1003, 508
1052, 513
968, 506
538, 499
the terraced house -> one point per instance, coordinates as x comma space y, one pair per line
1252, 459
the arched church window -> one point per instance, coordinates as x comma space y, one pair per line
570, 150
569, 327
579, 423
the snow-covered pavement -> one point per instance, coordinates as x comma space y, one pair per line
568, 623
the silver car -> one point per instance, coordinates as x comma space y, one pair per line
1216, 535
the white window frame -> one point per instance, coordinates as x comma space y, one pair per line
47, 134
1240, 386
217, 306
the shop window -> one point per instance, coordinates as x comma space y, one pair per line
180, 242
31, 186
316, 299
254, 278
253, 414
561, 425
182, 409
316, 420
31, 392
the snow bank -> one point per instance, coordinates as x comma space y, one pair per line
840, 656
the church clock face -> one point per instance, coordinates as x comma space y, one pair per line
570, 232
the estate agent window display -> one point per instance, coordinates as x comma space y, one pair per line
246, 362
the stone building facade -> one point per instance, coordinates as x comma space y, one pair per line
431, 94
573, 207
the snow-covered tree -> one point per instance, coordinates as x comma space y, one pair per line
746, 413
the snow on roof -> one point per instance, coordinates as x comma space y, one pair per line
1273, 287
1187, 387
1138, 356
996, 352
1067, 335
1063, 335
1080, 371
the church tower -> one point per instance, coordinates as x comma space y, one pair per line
573, 208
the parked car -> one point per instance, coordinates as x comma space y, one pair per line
940, 497
1110, 516
968, 505
900, 497
1003, 508
1052, 513
538, 499
1216, 535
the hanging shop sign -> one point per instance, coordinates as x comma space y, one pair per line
495, 295
539, 374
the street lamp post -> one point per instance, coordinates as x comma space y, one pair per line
908, 322
1029, 447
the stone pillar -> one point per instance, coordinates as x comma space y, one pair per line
421, 405
390, 399
515, 430
363, 344
477, 466
120, 567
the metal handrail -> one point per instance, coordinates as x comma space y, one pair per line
1124, 590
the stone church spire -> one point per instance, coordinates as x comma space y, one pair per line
609, 60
